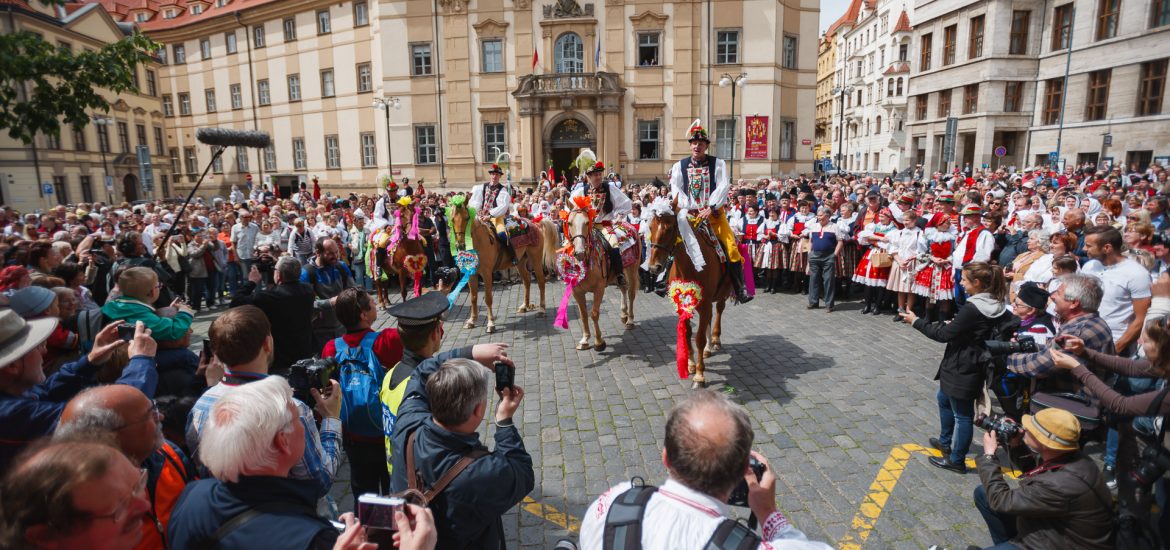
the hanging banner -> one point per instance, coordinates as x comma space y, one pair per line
756, 146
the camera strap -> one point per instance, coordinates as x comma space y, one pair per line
415, 481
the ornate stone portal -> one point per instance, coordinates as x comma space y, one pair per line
567, 8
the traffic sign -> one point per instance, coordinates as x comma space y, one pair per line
1000, 151
248, 177
47, 188
109, 183
1052, 157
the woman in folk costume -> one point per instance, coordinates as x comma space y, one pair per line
847, 260
769, 256
906, 245
873, 271
935, 280
749, 229
798, 261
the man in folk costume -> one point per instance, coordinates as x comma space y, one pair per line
384, 208
493, 201
612, 206
700, 183
974, 244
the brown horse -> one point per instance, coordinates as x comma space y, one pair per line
408, 249
589, 252
539, 255
714, 281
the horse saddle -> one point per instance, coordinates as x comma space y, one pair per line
520, 232
703, 227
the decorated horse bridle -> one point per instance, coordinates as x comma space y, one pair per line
587, 236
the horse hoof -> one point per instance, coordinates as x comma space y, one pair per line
706, 354
583, 346
469, 324
491, 329
716, 347
521, 309
600, 347
698, 384
625, 319
630, 325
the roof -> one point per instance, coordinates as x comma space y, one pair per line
122, 10
850, 16
898, 68
903, 23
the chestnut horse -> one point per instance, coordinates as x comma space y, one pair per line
714, 280
583, 239
395, 262
539, 255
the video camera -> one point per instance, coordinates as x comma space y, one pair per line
308, 374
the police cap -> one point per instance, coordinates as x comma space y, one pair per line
422, 310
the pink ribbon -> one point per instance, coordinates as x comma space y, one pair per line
562, 320
748, 278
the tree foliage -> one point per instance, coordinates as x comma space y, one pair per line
61, 86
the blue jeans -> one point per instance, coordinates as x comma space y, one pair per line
1001, 526
960, 292
955, 419
198, 287
232, 275
215, 286
360, 278
1125, 385
821, 270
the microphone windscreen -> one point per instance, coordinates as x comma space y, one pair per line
227, 137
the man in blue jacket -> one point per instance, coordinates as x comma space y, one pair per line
30, 403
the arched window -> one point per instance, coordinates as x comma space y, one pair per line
890, 88
878, 125
570, 54
899, 85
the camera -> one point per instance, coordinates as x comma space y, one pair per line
1023, 344
1004, 427
448, 275
310, 373
1153, 465
377, 512
126, 331
505, 375
740, 495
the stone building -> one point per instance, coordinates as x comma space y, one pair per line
824, 141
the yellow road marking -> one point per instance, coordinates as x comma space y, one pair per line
881, 488
551, 515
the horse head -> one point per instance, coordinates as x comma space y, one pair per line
579, 226
460, 217
406, 211
663, 233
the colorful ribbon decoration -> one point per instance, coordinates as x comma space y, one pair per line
686, 296
415, 265
749, 277
572, 271
467, 261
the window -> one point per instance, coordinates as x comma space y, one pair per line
426, 150
724, 134
209, 96
365, 82
217, 165
323, 22
1012, 94
124, 136
78, 138
241, 159
649, 47
168, 106
134, 79
62, 190
180, 54
1097, 98
1160, 13
420, 59
264, 93
103, 134
1107, 15
174, 153
140, 131
169, 14
920, 102
787, 139
52, 141
151, 84
944, 103
270, 157
229, 38
159, 145
899, 86
258, 36
493, 140
290, 29
1062, 21
727, 47
162, 55
569, 54
924, 53
789, 60
86, 189
298, 153
196, 9
369, 150
294, 87
1151, 88
877, 125
904, 52
949, 35
648, 138
492, 52
327, 87
205, 48
970, 98
1018, 41
191, 160
141, 17
361, 14
237, 96
1053, 94
975, 42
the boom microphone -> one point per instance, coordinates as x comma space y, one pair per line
226, 137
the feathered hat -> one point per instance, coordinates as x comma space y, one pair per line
696, 132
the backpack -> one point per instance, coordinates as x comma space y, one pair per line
360, 374
315, 281
623, 524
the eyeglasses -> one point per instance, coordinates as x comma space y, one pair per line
122, 511
152, 413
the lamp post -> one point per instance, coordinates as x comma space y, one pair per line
385, 104
841, 91
735, 82
105, 121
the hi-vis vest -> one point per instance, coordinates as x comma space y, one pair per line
393, 392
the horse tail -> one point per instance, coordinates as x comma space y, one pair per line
548, 231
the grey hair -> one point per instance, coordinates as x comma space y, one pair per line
63, 247
289, 269
711, 463
824, 211
1041, 236
1085, 289
456, 389
238, 431
91, 421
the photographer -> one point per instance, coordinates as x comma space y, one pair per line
706, 452
290, 306
1063, 503
961, 372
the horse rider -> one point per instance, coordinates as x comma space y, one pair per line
385, 207
493, 200
700, 183
612, 205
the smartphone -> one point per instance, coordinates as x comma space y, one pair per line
505, 375
126, 332
377, 512
205, 353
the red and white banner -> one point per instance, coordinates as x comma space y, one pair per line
756, 143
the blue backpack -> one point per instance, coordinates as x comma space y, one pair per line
360, 373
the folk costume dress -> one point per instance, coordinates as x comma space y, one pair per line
749, 229
770, 253
867, 273
906, 245
850, 254
936, 281
798, 261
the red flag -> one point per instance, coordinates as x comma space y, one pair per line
535, 58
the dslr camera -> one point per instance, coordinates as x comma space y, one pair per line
740, 495
1003, 426
448, 275
310, 373
1023, 344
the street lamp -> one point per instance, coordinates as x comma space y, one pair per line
739, 82
841, 91
385, 104
104, 121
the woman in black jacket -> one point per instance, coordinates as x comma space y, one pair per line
961, 372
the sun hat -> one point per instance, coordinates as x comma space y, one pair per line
18, 337
1056, 429
31, 301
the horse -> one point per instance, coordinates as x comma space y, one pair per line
405, 258
714, 280
584, 241
541, 254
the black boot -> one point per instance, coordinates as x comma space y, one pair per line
771, 282
868, 301
660, 286
741, 294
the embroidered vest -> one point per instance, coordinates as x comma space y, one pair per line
699, 180
972, 239
490, 193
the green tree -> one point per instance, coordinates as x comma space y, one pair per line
43, 85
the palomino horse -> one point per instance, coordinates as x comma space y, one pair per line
714, 281
591, 254
409, 249
541, 254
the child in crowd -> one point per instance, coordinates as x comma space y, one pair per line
139, 287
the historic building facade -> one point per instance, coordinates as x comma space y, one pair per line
824, 141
